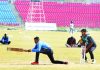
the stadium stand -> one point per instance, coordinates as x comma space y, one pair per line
83, 15
7, 16
22, 8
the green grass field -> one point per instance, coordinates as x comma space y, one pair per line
25, 39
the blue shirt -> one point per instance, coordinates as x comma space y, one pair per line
38, 47
5, 39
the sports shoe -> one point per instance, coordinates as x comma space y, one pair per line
86, 61
35, 63
93, 61
65, 62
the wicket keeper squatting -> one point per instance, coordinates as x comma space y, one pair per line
90, 44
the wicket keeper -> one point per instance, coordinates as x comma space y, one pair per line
90, 44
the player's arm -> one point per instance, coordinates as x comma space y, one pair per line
2, 39
37, 48
79, 43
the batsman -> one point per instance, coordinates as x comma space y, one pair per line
44, 48
90, 44
40, 47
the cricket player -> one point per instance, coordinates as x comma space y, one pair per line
90, 44
5, 39
71, 42
42, 47
71, 27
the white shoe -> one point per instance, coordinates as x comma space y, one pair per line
93, 61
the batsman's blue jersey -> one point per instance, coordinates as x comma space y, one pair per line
38, 47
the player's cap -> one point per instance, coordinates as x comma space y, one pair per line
83, 30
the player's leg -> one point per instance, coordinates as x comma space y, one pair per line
92, 55
49, 53
36, 59
2, 42
9, 42
70, 30
51, 57
86, 58
68, 45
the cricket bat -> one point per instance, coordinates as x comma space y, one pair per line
17, 49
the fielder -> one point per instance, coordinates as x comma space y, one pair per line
5, 40
42, 47
71, 27
90, 44
71, 42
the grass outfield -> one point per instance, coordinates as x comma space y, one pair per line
25, 39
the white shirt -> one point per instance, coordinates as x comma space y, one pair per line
71, 25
